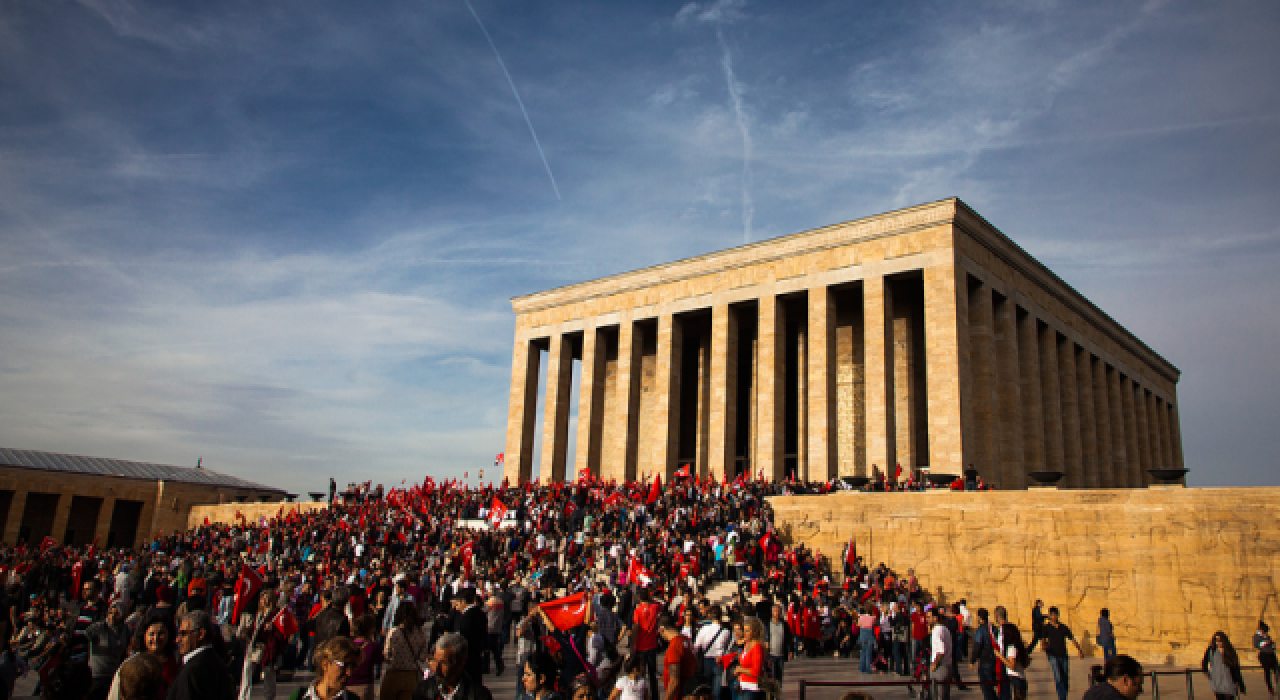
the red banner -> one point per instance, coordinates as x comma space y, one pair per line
286, 623
567, 613
246, 588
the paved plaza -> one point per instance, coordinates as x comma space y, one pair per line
844, 670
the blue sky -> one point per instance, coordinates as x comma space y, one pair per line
283, 236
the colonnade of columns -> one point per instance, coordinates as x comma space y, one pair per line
1045, 402
927, 368
791, 384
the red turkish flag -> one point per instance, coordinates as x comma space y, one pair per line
613, 499
655, 490
246, 588
850, 554
47, 542
497, 511
567, 613
286, 623
683, 471
638, 573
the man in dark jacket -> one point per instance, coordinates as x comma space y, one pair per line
449, 677
1123, 680
204, 674
470, 622
332, 621
984, 656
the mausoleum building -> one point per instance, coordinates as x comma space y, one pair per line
923, 337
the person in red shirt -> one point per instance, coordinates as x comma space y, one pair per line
644, 637
812, 629
674, 671
919, 630
751, 663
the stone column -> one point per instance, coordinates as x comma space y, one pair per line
1088, 425
724, 403
1175, 434
877, 305
1157, 439
1033, 445
1121, 472
1166, 440
625, 450
905, 418
1054, 452
103, 527
60, 517
704, 383
1136, 430
17, 507
590, 404
666, 409
1069, 388
948, 373
770, 367
522, 412
1103, 422
555, 409
1008, 377
822, 384
986, 399
802, 405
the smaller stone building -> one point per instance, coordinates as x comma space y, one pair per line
76, 499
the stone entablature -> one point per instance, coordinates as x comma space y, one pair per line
792, 378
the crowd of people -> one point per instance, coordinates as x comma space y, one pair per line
608, 592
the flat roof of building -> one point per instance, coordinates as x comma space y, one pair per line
102, 466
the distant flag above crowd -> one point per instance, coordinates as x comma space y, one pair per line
683, 471
638, 573
500, 459
497, 512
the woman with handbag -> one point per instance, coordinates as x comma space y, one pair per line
751, 677
404, 651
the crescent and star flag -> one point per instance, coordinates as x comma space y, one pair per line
567, 613
502, 457
497, 512
246, 588
655, 491
850, 555
47, 542
638, 573
897, 471
286, 623
683, 471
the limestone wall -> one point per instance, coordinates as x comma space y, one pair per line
1173, 565
226, 512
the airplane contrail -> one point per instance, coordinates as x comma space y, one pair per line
515, 92
744, 128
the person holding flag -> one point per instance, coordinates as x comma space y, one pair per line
263, 642
567, 620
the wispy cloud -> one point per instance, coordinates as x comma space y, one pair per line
285, 237
720, 13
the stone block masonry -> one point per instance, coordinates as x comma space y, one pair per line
922, 338
1172, 565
